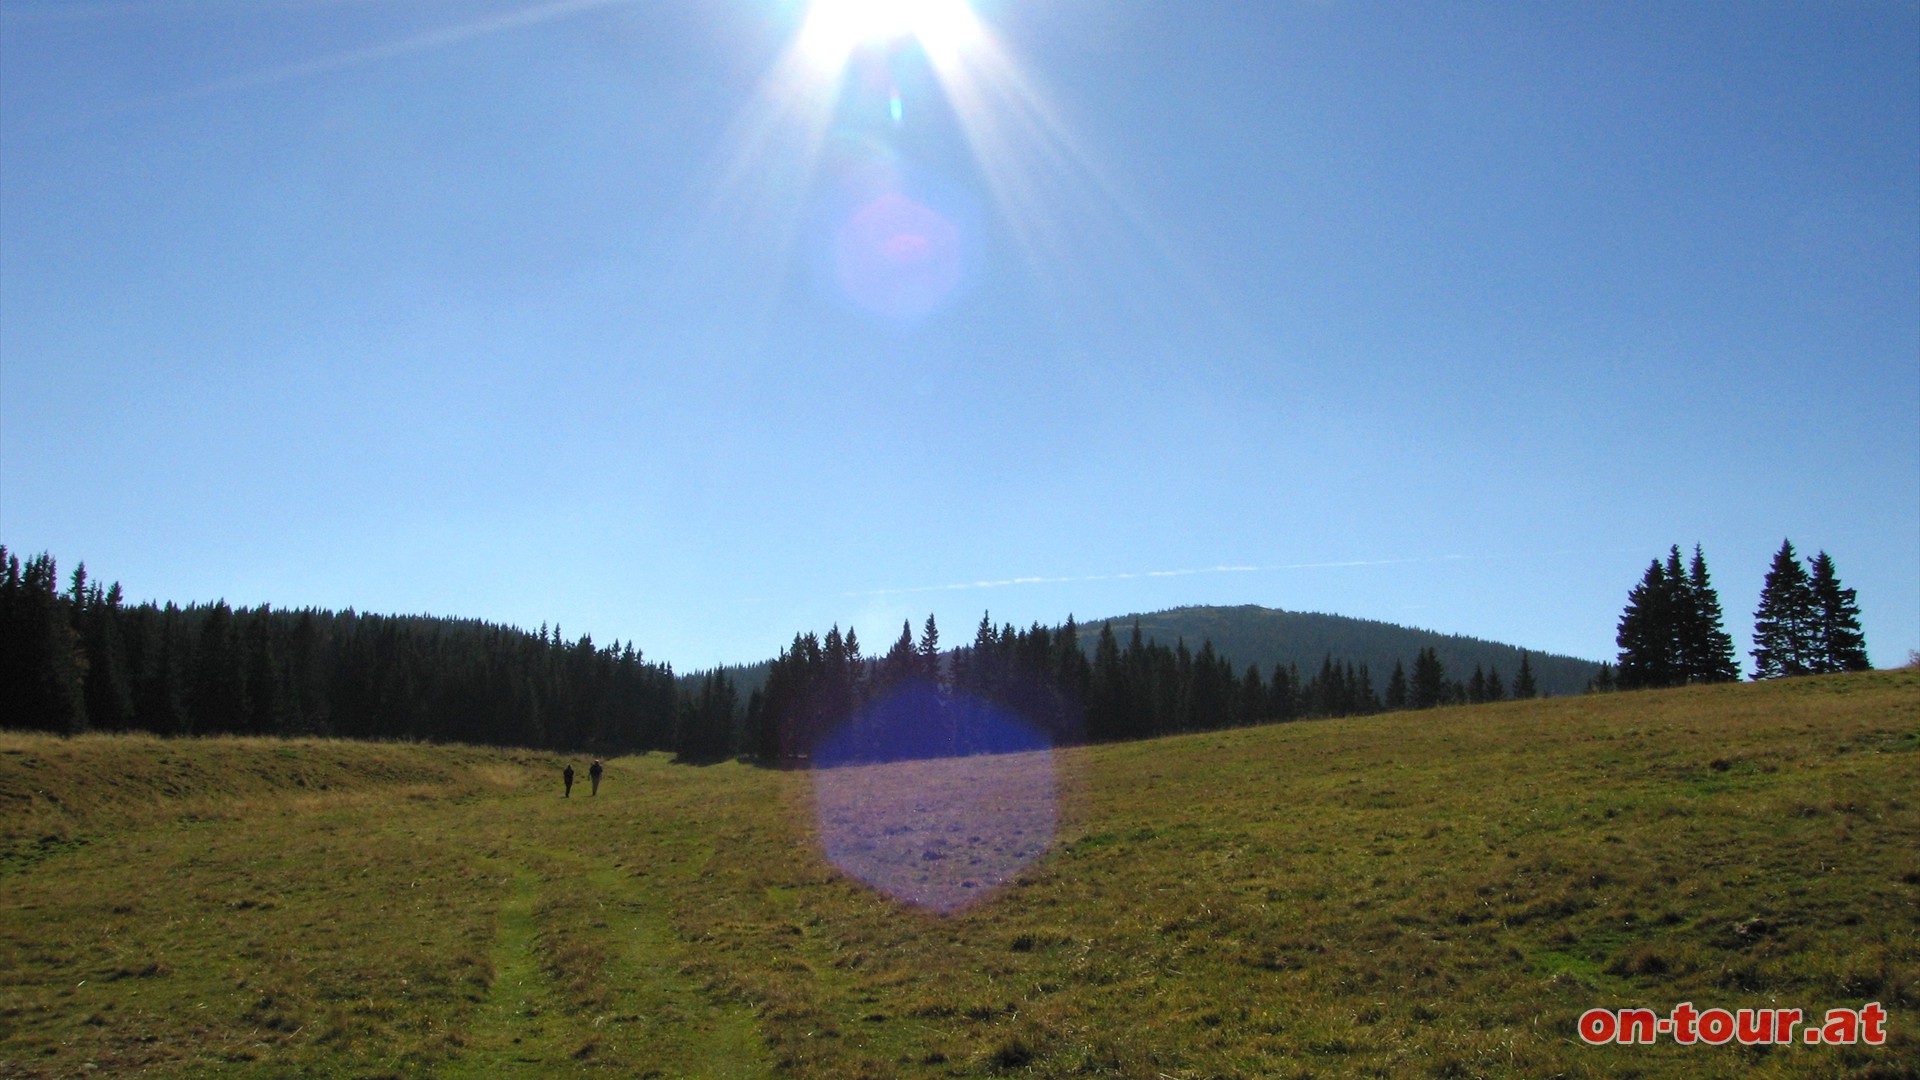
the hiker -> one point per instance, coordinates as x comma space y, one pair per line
594, 774
568, 777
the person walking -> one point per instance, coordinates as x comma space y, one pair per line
594, 775
568, 777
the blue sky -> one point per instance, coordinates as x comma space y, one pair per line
655, 319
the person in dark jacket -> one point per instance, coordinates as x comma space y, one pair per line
568, 777
594, 775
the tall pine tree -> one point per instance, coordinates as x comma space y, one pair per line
900, 665
1523, 684
1839, 644
930, 652
109, 690
1652, 627
1397, 687
1108, 697
1786, 626
1429, 684
1706, 650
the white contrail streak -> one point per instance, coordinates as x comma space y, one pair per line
1005, 582
1341, 564
433, 39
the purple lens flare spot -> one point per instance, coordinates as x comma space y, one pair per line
897, 258
940, 833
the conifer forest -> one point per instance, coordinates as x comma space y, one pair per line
77, 657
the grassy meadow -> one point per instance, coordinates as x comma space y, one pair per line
1435, 894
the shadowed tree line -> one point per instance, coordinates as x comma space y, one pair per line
80, 658
1041, 676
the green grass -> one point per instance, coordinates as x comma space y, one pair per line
1428, 895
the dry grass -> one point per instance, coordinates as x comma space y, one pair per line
59, 788
1434, 894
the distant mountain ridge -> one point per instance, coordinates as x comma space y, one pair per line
1250, 634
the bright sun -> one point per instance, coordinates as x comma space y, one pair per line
835, 28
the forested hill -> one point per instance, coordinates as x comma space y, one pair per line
80, 658
1267, 636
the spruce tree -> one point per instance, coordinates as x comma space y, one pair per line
1071, 667
1324, 691
109, 689
1252, 700
1107, 696
1283, 693
1167, 684
1397, 687
1706, 649
1206, 695
1523, 684
930, 652
901, 664
1786, 625
1429, 685
837, 698
1652, 627
1838, 643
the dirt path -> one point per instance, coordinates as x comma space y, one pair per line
517, 1030
587, 964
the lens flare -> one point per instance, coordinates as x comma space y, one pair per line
897, 258
928, 78
940, 833
836, 28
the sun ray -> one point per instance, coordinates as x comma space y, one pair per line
1069, 223
1057, 199
370, 54
754, 198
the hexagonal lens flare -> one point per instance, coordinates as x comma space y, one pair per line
939, 833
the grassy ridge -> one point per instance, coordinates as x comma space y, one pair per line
1249, 634
1432, 894
54, 789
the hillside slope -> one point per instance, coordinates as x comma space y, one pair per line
1414, 894
1248, 634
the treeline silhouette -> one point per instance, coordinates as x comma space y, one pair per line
79, 658
1043, 677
